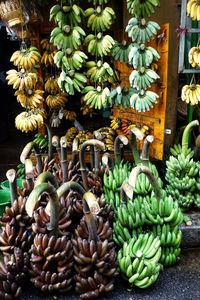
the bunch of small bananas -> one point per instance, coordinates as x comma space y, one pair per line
29, 98
30, 120
41, 141
191, 93
46, 45
141, 31
143, 100
69, 114
85, 109
26, 58
142, 8
120, 51
99, 18
21, 79
99, 71
71, 81
70, 60
142, 56
115, 122
56, 100
98, 97
67, 37
47, 58
142, 78
193, 9
20, 172
122, 95
70, 135
65, 14
51, 85
107, 136
194, 55
83, 135
99, 45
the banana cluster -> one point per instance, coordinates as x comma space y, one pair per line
190, 93
98, 2
82, 136
47, 46
21, 79
115, 122
71, 81
142, 56
69, 114
141, 31
49, 49
99, 45
194, 56
120, 51
127, 125
107, 136
143, 100
30, 120
193, 9
51, 85
66, 14
99, 18
41, 141
143, 78
56, 100
26, 58
70, 60
142, 8
139, 260
98, 97
70, 136
30, 98
20, 171
98, 71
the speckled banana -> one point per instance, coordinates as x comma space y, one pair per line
141, 31
29, 120
71, 81
70, 60
143, 78
98, 97
29, 98
99, 18
142, 56
21, 79
193, 9
99, 45
190, 93
142, 8
66, 14
143, 101
98, 71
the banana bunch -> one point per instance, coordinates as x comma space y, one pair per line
29, 98
194, 56
69, 115
193, 9
121, 233
82, 136
56, 100
26, 58
47, 58
30, 120
67, 37
21, 79
20, 171
139, 260
71, 81
143, 78
143, 101
70, 135
98, 71
66, 14
142, 56
141, 31
142, 8
169, 256
98, 97
85, 109
107, 136
115, 122
169, 236
127, 125
41, 141
98, 2
191, 93
99, 45
70, 60
177, 150
51, 85
121, 95
120, 51
46, 45
99, 18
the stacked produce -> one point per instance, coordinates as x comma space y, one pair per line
182, 172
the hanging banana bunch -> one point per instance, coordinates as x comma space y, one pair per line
99, 71
142, 56
99, 18
142, 8
98, 97
99, 45
193, 9
30, 120
69, 59
120, 51
22, 79
49, 50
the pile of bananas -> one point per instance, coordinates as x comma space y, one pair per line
26, 58
115, 122
30, 120
120, 51
107, 136
142, 56
141, 31
70, 60
69, 114
64, 14
190, 93
71, 81
142, 8
51, 85
56, 100
139, 260
127, 125
98, 71
143, 100
99, 18
193, 9
70, 136
30, 98
142, 78
98, 97
121, 96
194, 56
41, 141
21, 79
99, 45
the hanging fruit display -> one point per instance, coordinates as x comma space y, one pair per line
193, 9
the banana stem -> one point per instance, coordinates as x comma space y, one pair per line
83, 167
135, 133
70, 185
11, 176
34, 197
96, 160
63, 156
143, 169
50, 147
46, 177
120, 141
56, 144
92, 158
89, 217
107, 161
26, 152
75, 151
144, 156
186, 135
29, 175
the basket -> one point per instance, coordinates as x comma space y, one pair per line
11, 12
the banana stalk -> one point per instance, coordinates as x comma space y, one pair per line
135, 133
186, 134
29, 175
75, 151
63, 156
26, 152
11, 176
89, 217
56, 144
50, 147
107, 162
120, 141
144, 156
46, 177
